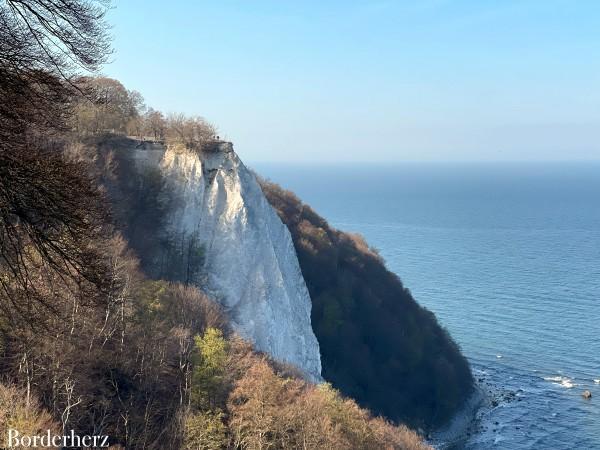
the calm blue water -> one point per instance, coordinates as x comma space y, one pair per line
508, 257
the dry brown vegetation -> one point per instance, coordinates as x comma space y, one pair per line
20, 411
156, 367
268, 411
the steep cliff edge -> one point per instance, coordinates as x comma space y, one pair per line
202, 218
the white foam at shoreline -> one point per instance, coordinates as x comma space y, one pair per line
561, 381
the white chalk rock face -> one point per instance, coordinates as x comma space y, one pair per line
249, 261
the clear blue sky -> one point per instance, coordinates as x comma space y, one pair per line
372, 80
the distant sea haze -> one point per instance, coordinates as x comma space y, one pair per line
508, 258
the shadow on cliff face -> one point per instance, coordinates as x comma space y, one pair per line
143, 201
378, 345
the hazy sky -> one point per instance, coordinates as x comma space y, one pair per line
372, 80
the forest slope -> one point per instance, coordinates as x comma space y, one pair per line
378, 345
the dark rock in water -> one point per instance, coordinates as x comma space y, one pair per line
586, 394
494, 403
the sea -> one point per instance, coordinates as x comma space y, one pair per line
507, 255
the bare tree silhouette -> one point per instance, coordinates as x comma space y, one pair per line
50, 211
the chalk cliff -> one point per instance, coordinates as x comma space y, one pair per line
235, 247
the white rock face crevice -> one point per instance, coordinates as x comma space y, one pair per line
249, 263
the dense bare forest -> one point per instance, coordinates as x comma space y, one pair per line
87, 342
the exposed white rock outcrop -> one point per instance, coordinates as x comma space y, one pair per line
249, 263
